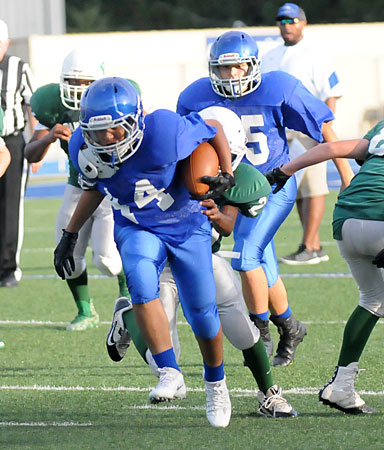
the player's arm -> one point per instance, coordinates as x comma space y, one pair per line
353, 149
39, 144
32, 122
5, 159
223, 220
225, 179
87, 205
342, 165
220, 143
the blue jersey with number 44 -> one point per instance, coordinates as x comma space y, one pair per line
281, 101
146, 191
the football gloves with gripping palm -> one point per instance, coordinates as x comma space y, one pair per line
217, 185
278, 177
63, 255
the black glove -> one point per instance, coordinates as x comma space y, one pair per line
63, 256
278, 177
217, 185
378, 260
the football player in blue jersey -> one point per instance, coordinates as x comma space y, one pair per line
266, 104
132, 160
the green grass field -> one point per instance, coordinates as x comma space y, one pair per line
59, 390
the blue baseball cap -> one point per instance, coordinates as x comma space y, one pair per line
290, 11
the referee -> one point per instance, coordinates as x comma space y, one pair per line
15, 91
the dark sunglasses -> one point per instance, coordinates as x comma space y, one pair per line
290, 21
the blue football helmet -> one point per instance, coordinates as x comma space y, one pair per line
109, 103
231, 48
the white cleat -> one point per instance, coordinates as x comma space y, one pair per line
218, 403
171, 386
340, 392
273, 404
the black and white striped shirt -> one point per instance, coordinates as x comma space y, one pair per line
16, 87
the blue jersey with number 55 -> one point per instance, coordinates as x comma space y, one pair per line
146, 191
281, 101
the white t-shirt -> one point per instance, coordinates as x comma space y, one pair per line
307, 62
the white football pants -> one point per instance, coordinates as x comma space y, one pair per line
362, 241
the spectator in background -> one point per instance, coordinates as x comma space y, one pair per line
311, 65
16, 90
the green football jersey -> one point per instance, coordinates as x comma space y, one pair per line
364, 197
49, 110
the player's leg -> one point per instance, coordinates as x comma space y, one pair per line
358, 253
125, 329
237, 327
105, 255
291, 330
169, 298
197, 292
78, 282
242, 334
252, 238
144, 255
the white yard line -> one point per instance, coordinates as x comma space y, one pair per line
44, 424
236, 392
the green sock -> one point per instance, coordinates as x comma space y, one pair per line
257, 361
135, 332
123, 289
80, 292
356, 334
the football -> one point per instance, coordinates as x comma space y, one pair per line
203, 161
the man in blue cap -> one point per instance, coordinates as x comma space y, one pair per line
312, 66
291, 11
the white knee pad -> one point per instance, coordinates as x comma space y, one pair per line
109, 266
